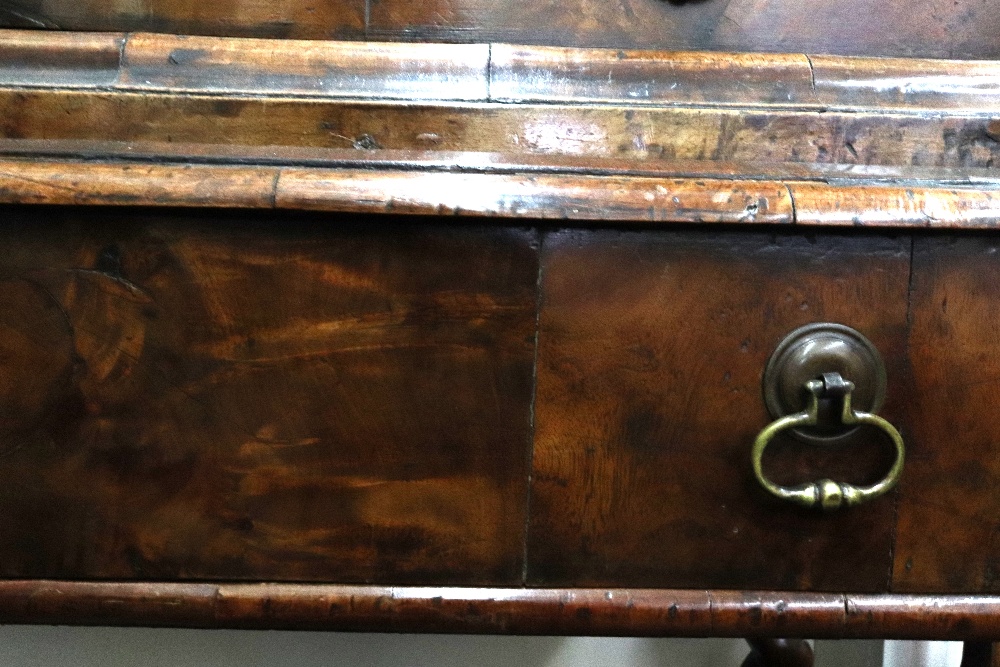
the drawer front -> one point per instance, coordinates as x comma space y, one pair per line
249, 397
300, 398
949, 510
651, 350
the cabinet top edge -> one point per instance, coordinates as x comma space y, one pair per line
497, 73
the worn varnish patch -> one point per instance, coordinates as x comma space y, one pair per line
223, 396
67, 60
628, 200
331, 69
651, 351
526, 74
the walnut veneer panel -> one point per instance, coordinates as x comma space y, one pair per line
651, 134
248, 396
949, 514
932, 28
651, 351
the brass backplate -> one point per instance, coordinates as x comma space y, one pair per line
807, 353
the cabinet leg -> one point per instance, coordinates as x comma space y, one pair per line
779, 653
980, 654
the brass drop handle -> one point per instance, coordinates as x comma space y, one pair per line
828, 494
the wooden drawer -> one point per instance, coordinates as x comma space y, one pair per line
949, 499
394, 413
206, 396
269, 397
651, 350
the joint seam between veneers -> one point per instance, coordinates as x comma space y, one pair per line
122, 62
791, 202
812, 72
533, 405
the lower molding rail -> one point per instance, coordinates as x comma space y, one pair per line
518, 611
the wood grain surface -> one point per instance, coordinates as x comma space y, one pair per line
243, 397
626, 200
69, 60
167, 409
590, 191
952, 473
220, 395
930, 28
868, 137
172, 153
379, 70
651, 350
509, 100
496, 72
588, 612
895, 206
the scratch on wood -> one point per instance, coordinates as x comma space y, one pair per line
24, 18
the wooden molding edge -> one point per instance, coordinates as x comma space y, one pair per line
519, 611
511, 187
495, 73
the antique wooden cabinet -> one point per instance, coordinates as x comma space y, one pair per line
457, 316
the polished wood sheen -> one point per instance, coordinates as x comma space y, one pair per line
244, 397
651, 350
499, 98
495, 364
171, 63
493, 72
497, 130
505, 99
924, 137
481, 185
546, 611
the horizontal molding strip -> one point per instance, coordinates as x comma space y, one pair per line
493, 73
518, 611
655, 134
484, 185
156, 152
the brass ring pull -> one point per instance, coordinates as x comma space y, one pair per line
826, 493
